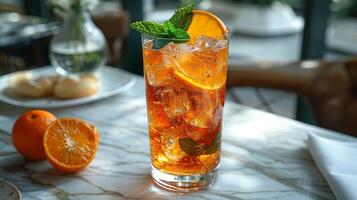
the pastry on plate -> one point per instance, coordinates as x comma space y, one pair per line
76, 87
26, 85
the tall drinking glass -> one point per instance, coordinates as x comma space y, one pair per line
185, 91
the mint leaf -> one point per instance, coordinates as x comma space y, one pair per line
176, 33
181, 34
215, 145
169, 28
150, 28
158, 44
183, 17
173, 30
190, 147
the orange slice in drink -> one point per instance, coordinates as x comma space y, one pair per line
70, 144
206, 23
204, 69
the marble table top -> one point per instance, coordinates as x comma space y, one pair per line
264, 157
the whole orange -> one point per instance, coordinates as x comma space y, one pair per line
28, 131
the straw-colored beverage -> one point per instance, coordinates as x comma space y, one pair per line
185, 89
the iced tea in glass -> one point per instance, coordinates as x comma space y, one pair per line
185, 91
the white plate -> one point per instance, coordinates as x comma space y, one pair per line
112, 82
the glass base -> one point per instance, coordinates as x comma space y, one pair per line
184, 183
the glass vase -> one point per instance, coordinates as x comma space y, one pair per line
79, 47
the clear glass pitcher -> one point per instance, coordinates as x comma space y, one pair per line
79, 47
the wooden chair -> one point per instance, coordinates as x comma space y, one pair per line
8, 7
115, 27
329, 86
10, 63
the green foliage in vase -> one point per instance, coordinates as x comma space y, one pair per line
65, 6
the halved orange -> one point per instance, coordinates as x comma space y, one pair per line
206, 23
70, 144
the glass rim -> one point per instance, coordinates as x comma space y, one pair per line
223, 36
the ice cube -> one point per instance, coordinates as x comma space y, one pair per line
203, 136
167, 49
185, 48
221, 44
203, 110
158, 74
202, 119
157, 116
175, 101
147, 43
196, 135
172, 48
200, 66
209, 42
170, 145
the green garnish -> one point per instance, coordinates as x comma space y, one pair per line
174, 29
183, 17
193, 148
149, 28
190, 147
174, 32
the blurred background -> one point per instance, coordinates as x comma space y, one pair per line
294, 58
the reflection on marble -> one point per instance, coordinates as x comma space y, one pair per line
264, 157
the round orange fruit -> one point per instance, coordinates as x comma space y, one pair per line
70, 144
28, 131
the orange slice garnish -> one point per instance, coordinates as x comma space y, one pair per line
70, 144
206, 23
204, 69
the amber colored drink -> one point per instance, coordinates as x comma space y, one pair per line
185, 89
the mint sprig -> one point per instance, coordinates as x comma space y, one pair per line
150, 28
183, 17
173, 30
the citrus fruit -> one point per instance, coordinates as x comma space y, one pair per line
28, 131
204, 69
206, 23
70, 144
